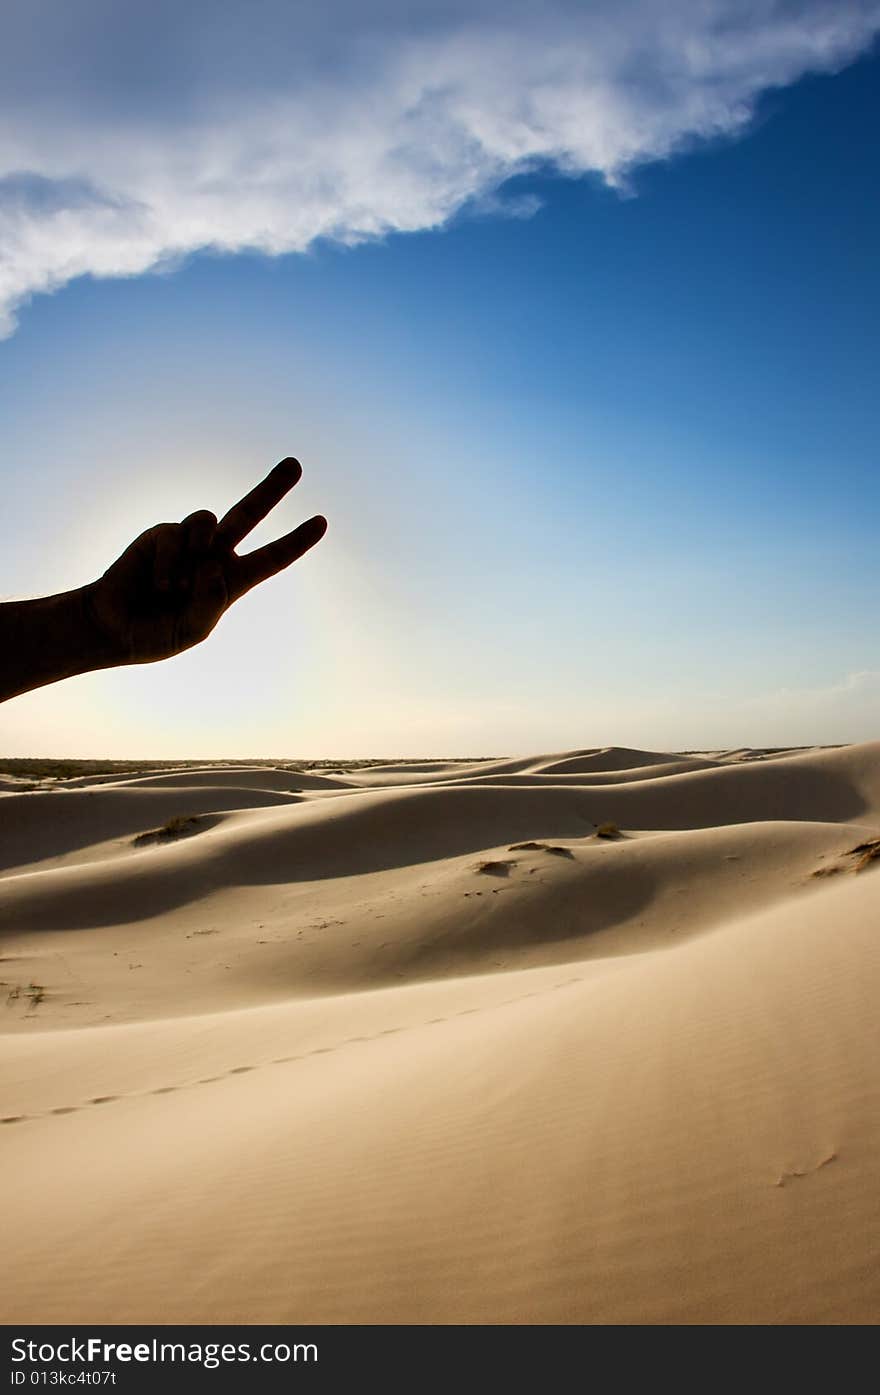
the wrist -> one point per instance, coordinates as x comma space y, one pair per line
102, 644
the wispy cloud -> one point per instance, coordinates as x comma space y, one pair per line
842, 710
132, 135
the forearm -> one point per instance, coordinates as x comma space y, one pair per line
50, 638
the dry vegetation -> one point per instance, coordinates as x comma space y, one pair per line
48, 768
181, 826
34, 993
495, 868
555, 848
866, 855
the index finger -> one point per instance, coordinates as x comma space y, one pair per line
252, 509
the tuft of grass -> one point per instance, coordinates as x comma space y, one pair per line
867, 853
494, 869
541, 847
608, 830
554, 848
177, 827
35, 993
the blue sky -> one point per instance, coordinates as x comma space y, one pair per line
597, 449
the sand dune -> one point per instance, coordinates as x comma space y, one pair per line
54, 825
244, 777
335, 1048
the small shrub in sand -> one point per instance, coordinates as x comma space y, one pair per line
608, 830
867, 853
541, 847
35, 993
177, 827
494, 869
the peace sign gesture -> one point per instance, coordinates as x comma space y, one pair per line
171, 585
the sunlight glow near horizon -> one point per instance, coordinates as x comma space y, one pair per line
604, 475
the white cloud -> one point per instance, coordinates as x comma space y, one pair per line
134, 134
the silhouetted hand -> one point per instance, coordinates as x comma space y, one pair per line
165, 593
170, 587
